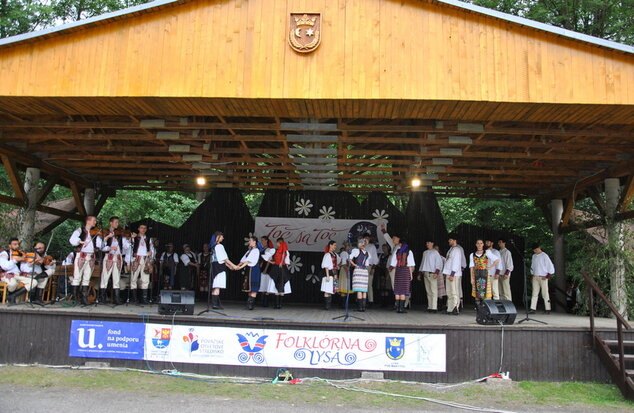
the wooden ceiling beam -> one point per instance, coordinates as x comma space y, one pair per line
79, 201
14, 177
627, 194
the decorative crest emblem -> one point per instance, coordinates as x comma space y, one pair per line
304, 34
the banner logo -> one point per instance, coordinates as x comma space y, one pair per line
191, 341
395, 347
162, 337
249, 351
81, 342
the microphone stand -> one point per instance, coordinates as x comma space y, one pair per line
526, 317
346, 313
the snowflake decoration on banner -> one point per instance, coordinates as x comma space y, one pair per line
327, 213
380, 215
295, 265
303, 206
246, 239
312, 276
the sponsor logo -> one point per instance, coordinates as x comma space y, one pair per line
161, 338
251, 351
191, 341
395, 347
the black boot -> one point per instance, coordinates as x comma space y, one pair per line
327, 303
265, 300
133, 296
250, 303
14, 295
39, 294
84, 295
75, 294
144, 297
102, 296
359, 304
117, 296
278, 302
364, 304
215, 302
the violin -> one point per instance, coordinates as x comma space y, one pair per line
27, 257
98, 231
48, 260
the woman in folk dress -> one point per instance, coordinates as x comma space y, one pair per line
330, 264
251, 259
280, 275
480, 262
344, 255
265, 278
359, 261
403, 263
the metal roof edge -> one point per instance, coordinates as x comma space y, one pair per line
539, 26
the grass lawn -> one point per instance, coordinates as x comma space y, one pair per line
544, 396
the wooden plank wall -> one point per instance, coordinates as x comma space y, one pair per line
370, 49
533, 353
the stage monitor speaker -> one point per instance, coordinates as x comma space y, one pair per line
496, 312
176, 302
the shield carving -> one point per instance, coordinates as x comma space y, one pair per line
304, 34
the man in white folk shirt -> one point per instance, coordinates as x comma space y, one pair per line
453, 270
494, 271
430, 268
372, 262
85, 259
39, 270
10, 271
114, 245
506, 268
142, 254
542, 269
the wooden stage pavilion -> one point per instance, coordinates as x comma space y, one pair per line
346, 95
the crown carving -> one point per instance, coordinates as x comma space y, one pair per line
305, 21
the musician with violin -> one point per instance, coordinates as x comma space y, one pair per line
10, 260
39, 269
115, 241
143, 254
90, 241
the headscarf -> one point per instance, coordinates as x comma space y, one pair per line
280, 254
259, 245
404, 249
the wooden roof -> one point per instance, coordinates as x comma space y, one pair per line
473, 103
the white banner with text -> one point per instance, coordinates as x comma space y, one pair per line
296, 348
312, 234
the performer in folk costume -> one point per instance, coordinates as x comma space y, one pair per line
372, 262
279, 272
382, 275
442, 290
330, 264
481, 262
204, 259
10, 273
40, 269
494, 272
168, 263
252, 280
85, 260
453, 272
359, 261
394, 242
542, 269
344, 268
142, 255
403, 263
189, 268
113, 245
219, 264
430, 269
265, 265
506, 268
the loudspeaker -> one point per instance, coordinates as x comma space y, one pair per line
176, 302
496, 312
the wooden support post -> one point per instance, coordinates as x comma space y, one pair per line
14, 177
594, 194
614, 231
27, 224
89, 201
557, 212
570, 204
50, 184
626, 195
79, 203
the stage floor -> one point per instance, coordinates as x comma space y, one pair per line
304, 314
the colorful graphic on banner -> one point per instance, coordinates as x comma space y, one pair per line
298, 348
104, 339
308, 234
